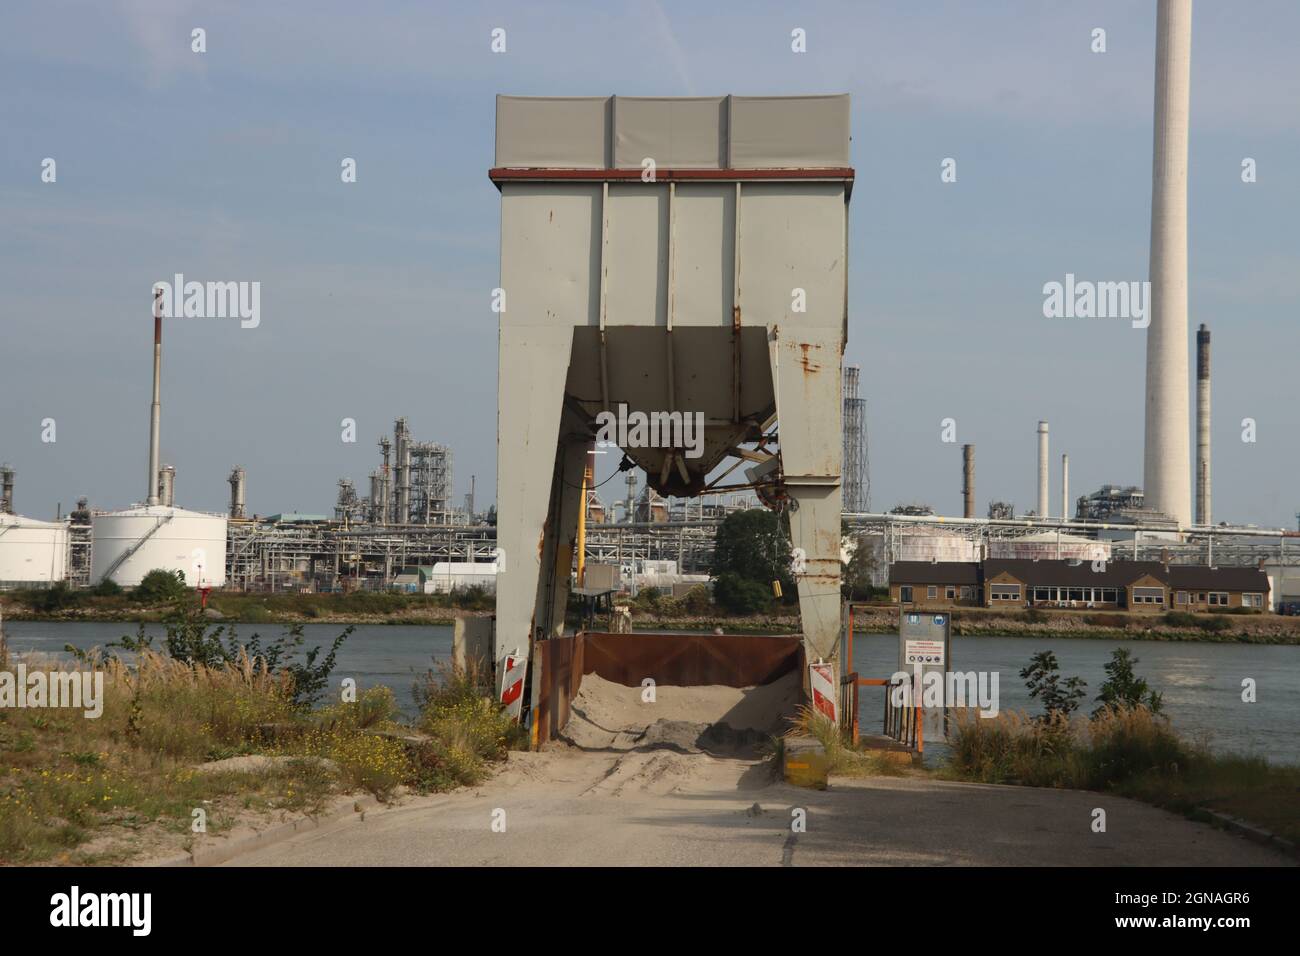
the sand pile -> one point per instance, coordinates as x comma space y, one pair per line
730, 721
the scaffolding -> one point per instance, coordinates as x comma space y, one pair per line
856, 480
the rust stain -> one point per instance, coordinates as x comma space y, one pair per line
735, 317
805, 359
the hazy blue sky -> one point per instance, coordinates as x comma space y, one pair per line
375, 296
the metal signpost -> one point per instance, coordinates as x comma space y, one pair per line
925, 648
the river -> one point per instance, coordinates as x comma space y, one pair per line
1201, 682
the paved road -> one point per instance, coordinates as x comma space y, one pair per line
662, 808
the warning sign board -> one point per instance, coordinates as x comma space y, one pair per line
512, 684
825, 699
923, 652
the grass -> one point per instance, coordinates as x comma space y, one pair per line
842, 757
82, 790
1130, 752
467, 730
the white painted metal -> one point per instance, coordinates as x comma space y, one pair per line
1042, 470
1065, 486
1166, 462
1203, 510
129, 544
31, 551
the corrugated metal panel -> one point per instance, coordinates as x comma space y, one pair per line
562, 132
789, 131
693, 133
676, 132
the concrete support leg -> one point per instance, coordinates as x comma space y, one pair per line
553, 584
806, 375
534, 363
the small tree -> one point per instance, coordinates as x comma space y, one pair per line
1123, 688
161, 586
741, 596
753, 545
1043, 678
859, 568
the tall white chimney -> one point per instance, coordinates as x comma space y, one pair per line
1065, 487
155, 410
1042, 470
1203, 425
1167, 455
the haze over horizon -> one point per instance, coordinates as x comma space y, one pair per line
375, 296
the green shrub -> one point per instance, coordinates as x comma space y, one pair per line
741, 596
466, 726
106, 588
160, 586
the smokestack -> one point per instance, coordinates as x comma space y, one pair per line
167, 486
402, 450
1065, 487
6, 490
1042, 470
1203, 425
968, 480
155, 410
385, 496
375, 513
236, 480
1167, 455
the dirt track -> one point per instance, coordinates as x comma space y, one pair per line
661, 807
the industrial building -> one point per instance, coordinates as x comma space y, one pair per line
1079, 585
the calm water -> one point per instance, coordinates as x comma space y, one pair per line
1201, 683
391, 654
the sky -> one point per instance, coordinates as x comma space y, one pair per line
375, 295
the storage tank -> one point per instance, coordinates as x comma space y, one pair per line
1050, 546
129, 544
32, 552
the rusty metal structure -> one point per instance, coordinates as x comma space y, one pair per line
679, 258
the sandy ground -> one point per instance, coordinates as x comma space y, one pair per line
646, 785
723, 721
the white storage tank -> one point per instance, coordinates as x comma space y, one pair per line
32, 552
1050, 546
129, 544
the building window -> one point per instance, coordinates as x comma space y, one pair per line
1252, 600
1218, 599
1182, 598
1148, 595
905, 594
950, 592
932, 592
967, 593
1004, 592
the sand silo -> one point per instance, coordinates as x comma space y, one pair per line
131, 543
669, 256
32, 552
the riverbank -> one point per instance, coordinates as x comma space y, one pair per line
369, 607
366, 607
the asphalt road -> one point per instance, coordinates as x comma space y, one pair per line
661, 808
